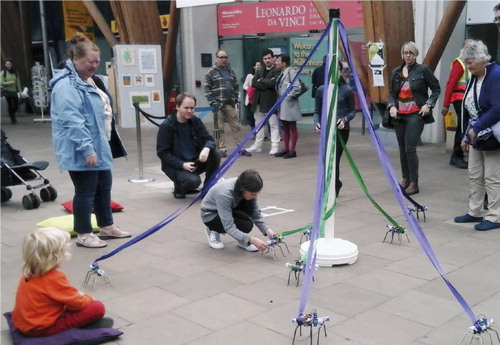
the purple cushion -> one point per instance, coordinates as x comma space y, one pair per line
70, 336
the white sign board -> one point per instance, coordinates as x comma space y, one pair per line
139, 79
192, 3
480, 11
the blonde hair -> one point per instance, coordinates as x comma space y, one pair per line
44, 249
411, 47
81, 46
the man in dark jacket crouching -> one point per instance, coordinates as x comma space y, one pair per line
185, 148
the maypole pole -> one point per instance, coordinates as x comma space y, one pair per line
330, 250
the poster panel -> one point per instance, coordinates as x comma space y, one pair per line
139, 79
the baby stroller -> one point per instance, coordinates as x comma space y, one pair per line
16, 170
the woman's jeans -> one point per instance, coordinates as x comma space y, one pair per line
408, 128
92, 191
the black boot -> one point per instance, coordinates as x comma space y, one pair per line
458, 162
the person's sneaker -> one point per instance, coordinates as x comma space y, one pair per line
179, 195
467, 218
486, 225
254, 148
112, 231
248, 247
246, 153
214, 239
105, 322
90, 240
274, 149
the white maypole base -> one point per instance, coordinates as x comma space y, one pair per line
332, 251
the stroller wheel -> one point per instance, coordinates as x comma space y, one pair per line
6, 194
31, 201
48, 194
53, 193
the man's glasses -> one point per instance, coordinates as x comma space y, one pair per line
496, 19
408, 53
223, 57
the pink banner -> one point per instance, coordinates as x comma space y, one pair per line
281, 16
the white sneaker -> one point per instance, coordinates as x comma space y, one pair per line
274, 149
254, 148
214, 239
248, 247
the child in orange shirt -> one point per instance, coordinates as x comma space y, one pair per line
46, 302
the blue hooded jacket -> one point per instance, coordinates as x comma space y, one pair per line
78, 128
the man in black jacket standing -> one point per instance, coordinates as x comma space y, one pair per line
264, 98
185, 148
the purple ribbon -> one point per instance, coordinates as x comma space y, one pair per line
393, 182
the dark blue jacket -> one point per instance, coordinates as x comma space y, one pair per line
489, 99
168, 147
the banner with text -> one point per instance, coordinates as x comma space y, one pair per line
280, 16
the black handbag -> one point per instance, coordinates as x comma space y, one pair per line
429, 118
388, 120
486, 142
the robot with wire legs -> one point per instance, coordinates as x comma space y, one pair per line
399, 230
481, 327
310, 320
274, 242
307, 234
94, 272
298, 267
417, 210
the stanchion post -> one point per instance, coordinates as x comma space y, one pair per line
141, 178
216, 126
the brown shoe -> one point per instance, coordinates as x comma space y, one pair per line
404, 183
412, 188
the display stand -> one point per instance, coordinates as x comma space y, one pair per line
330, 251
40, 90
141, 178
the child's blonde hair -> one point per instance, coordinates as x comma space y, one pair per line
44, 249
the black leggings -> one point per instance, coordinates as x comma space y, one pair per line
241, 218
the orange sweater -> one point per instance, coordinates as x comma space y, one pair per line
40, 301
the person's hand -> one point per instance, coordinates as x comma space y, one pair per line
464, 146
393, 112
424, 111
204, 154
261, 245
471, 134
271, 233
189, 166
340, 124
444, 111
91, 160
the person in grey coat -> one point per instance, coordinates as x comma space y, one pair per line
289, 110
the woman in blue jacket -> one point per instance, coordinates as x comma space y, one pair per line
482, 106
82, 129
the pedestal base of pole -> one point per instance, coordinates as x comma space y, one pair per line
332, 251
140, 180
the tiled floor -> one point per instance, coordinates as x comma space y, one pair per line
172, 288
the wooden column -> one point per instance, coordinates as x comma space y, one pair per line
100, 21
392, 23
16, 40
138, 22
443, 33
170, 47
